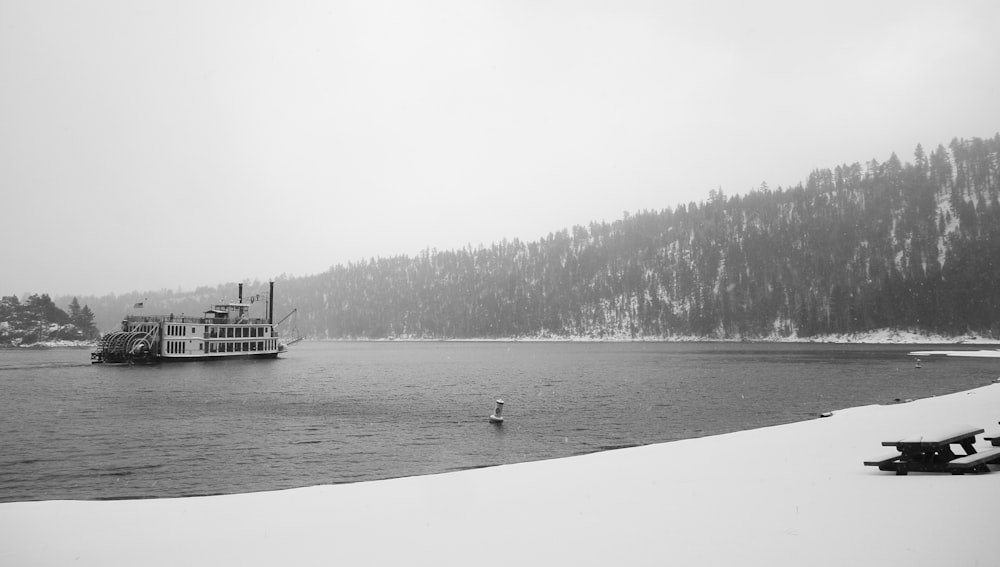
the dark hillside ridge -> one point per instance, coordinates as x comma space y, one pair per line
860, 247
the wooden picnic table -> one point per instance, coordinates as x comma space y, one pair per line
934, 453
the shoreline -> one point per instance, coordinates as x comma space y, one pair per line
782, 495
879, 337
883, 337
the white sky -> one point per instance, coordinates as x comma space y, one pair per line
149, 145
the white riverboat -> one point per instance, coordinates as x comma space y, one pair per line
225, 331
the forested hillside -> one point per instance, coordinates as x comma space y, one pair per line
866, 246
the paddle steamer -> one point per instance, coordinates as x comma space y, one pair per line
225, 331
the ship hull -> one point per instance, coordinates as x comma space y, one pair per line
242, 356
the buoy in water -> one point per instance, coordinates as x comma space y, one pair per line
497, 416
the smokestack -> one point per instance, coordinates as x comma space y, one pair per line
241, 294
270, 305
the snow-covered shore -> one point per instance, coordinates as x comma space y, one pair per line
794, 494
882, 336
55, 344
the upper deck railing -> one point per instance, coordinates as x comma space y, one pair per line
194, 320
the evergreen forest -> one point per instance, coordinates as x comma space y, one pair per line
38, 319
911, 245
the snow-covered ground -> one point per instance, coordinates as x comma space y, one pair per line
60, 344
992, 353
895, 336
881, 336
792, 495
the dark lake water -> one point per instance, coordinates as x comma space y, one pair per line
347, 412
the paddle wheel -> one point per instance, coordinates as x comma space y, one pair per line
132, 347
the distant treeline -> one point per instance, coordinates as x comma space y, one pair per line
860, 247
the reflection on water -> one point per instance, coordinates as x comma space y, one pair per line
347, 412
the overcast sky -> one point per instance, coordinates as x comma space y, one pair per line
150, 145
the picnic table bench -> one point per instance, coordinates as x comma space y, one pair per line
995, 440
934, 453
976, 462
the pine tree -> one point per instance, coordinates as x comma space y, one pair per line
74, 312
85, 322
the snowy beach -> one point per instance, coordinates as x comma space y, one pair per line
787, 495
